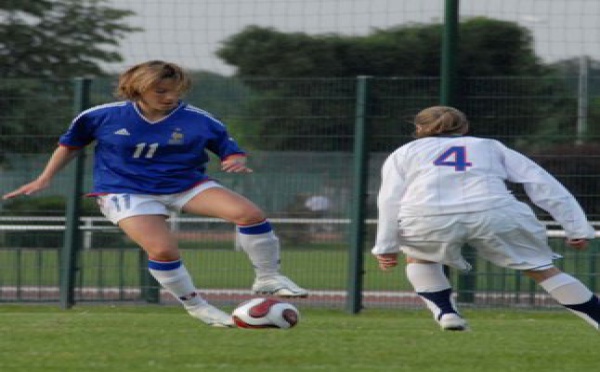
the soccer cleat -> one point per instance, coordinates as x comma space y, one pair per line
211, 315
278, 285
452, 322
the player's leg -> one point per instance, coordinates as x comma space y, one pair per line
152, 233
569, 292
254, 233
520, 242
143, 220
428, 243
432, 286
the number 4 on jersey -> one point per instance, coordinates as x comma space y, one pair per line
455, 156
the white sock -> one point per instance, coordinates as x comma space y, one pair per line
432, 286
174, 277
262, 247
570, 292
427, 277
566, 289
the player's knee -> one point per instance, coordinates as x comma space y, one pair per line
541, 275
162, 253
250, 216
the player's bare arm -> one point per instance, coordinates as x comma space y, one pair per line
60, 158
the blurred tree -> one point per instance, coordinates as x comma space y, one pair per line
59, 38
572, 66
33, 112
488, 47
225, 98
577, 167
569, 70
405, 64
44, 44
217, 94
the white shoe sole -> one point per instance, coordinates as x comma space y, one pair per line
212, 316
284, 293
453, 322
279, 286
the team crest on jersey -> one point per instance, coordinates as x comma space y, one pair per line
176, 137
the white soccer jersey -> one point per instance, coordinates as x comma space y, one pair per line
457, 174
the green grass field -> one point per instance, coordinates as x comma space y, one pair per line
163, 338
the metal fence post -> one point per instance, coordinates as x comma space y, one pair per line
448, 97
359, 196
72, 238
449, 52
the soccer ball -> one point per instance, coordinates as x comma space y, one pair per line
265, 313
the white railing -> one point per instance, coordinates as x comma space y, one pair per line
91, 224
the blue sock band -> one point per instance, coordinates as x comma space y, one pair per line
261, 228
590, 308
164, 266
441, 299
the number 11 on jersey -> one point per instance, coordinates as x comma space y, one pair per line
140, 150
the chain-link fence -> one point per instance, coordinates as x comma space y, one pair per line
300, 136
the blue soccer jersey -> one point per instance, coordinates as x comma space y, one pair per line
133, 155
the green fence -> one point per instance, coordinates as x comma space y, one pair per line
301, 136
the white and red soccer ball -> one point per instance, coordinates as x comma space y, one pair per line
265, 313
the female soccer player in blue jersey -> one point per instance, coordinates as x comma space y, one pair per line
150, 158
446, 189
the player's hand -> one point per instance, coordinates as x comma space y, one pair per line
235, 164
578, 244
387, 260
27, 189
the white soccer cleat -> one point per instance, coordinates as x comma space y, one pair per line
453, 322
278, 285
211, 315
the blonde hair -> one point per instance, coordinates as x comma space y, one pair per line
438, 120
139, 78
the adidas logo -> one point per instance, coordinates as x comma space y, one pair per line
122, 132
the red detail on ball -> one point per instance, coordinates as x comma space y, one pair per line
241, 324
263, 308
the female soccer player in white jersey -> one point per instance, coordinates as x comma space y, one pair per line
150, 158
446, 189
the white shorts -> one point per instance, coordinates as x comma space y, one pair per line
116, 207
510, 237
